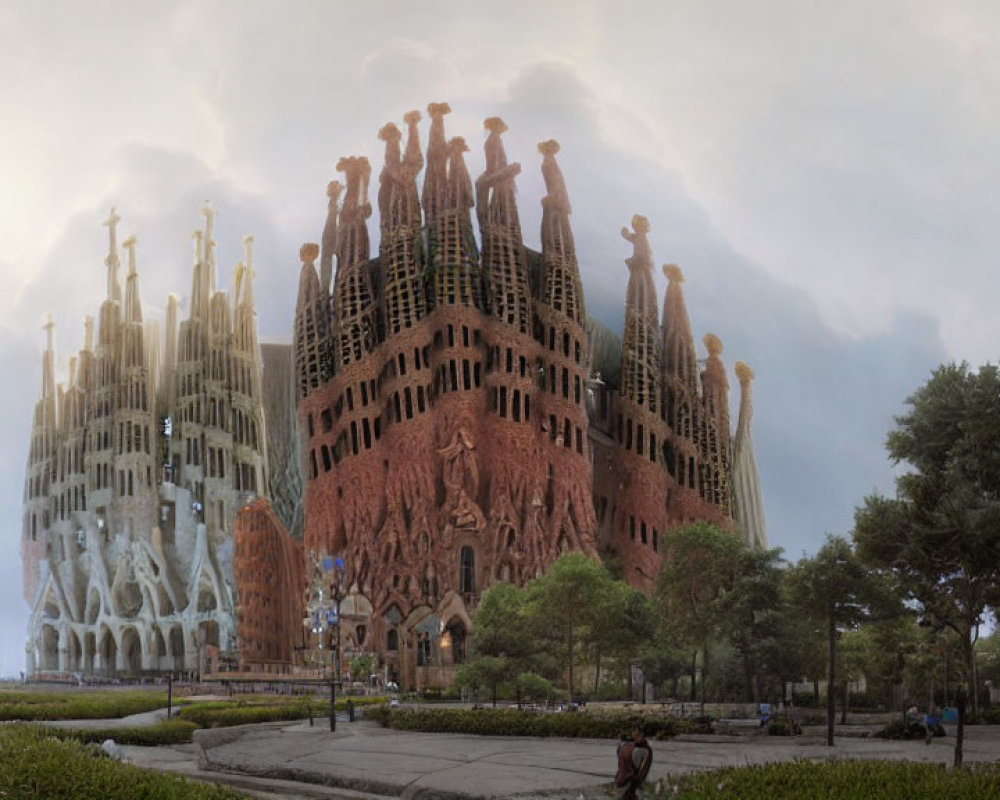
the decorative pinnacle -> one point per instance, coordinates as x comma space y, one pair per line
333, 190
196, 237
673, 273
88, 332
457, 144
129, 245
248, 251
494, 125
309, 252
549, 147
713, 345
411, 117
743, 372
438, 109
640, 224
47, 327
390, 133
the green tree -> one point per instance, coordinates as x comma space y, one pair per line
939, 535
566, 602
484, 672
703, 563
834, 587
623, 623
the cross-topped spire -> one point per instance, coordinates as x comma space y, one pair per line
112, 260
48, 327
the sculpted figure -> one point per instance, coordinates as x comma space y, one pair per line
555, 185
642, 253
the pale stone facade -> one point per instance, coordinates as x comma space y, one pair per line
137, 467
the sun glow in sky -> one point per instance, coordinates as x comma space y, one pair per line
825, 174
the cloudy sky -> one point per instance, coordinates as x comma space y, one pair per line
825, 173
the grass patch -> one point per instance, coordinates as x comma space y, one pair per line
836, 780
71, 704
34, 765
511, 722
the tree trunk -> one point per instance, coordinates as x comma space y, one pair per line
843, 707
830, 692
969, 655
704, 669
570, 656
597, 668
960, 732
694, 676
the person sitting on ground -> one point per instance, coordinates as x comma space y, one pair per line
933, 722
635, 757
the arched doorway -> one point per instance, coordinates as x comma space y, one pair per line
131, 652
89, 650
74, 652
109, 652
177, 647
457, 637
49, 646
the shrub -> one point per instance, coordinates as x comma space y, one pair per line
36, 765
511, 722
215, 715
838, 780
172, 731
897, 729
73, 704
779, 727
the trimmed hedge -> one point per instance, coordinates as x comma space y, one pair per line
74, 704
838, 780
216, 715
511, 722
34, 765
172, 731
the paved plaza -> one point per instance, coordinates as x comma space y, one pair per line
360, 760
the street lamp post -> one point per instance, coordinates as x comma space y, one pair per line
326, 590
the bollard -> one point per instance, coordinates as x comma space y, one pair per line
333, 704
350, 710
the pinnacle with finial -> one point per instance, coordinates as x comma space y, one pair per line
129, 246
48, 327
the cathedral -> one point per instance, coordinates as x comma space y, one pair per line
137, 465
446, 417
464, 422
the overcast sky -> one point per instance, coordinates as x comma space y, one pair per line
825, 174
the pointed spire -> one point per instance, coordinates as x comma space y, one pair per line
48, 360
247, 298
208, 277
715, 423
133, 305
114, 290
436, 175
503, 258
352, 292
748, 504
88, 333
640, 345
414, 159
333, 189
563, 288
459, 192
680, 361
391, 168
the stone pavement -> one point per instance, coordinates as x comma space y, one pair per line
363, 760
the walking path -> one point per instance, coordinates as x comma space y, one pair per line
363, 760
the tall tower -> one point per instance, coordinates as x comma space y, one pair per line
641, 431
679, 378
715, 450
748, 503
565, 363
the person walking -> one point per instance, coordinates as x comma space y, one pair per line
635, 757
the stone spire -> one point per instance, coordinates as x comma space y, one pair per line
748, 503
311, 343
401, 246
49, 376
715, 427
436, 176
563, 289
244, 296
640, 345
352, 292
329, 239
133, 303
679, 376
503, 257
114, 288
